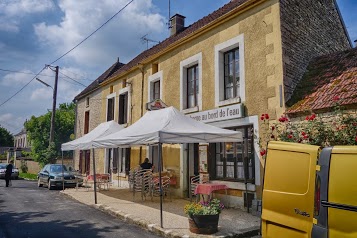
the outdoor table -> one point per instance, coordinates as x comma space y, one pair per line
208, 188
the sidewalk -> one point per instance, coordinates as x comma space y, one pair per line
119, 203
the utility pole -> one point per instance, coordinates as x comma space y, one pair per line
54, 107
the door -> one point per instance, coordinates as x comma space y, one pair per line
192, 163
288, 190
336, 209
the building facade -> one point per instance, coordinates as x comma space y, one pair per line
226, 69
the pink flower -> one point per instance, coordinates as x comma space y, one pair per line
266, 116
263, 152
273, 128
262, 118
307, 118
290, 136
306, 136
303, 133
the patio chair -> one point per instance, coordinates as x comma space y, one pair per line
104, 181
193, 184
155, 189
142, 183
131, 178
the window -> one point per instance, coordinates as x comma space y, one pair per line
86, 122
87, 101
123, 108
156, 90
229, 72
234, 161
191, 83
192, 86
110, 106
155, 86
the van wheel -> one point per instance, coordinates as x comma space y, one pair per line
39, 184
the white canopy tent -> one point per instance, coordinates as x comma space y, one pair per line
166, 126
86, 142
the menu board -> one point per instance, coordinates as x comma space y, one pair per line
203, 158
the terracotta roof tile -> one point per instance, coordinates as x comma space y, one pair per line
327, 78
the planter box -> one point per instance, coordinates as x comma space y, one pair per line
203, 224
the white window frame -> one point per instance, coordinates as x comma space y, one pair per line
151, 80
123, 91
184, 65
219, 51
110, 96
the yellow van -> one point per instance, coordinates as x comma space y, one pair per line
309, 194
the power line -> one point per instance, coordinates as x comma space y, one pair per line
21, 72
92, 32
81, 75
73, 79
22, 88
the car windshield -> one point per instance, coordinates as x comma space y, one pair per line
2, 166
57, 168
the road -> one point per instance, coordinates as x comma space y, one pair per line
28, 211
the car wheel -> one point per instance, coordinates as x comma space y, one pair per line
39, 184
49, 185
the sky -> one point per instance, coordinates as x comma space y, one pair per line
36, 33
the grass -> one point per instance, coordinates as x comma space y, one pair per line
28, 176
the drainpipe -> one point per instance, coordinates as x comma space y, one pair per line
141, 68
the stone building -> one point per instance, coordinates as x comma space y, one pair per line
245, 59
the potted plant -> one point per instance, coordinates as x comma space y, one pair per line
204, 216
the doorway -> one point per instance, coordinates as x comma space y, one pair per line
192, 162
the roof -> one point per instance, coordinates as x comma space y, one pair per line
329, 79
23, 131
95, 84
233, 4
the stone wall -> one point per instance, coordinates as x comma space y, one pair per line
309, 28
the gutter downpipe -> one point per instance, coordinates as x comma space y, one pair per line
141, 68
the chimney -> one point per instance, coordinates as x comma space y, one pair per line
177, 24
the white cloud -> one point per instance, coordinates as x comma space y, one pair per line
12, 79
120, 37
41, 94
11, 122
9, 25
21, 7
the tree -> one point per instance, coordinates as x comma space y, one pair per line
38, 132
6, 139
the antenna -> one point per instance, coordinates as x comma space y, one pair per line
147, 40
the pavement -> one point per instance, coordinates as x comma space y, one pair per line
146, 213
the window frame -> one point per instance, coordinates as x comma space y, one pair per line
195, 87
110, 97
126, 90
220, 50
151, 80
184, 66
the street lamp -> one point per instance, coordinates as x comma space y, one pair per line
53, 104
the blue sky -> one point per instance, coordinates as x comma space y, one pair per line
34, 33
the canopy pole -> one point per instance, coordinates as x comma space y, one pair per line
94, 178
160, 182
62, 173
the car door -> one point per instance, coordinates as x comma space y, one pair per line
336, 206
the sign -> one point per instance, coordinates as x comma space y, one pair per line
219, 114
155, 105
203, 158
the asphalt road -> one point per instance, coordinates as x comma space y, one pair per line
27, 211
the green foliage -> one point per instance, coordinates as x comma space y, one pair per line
23, 166
212, 207
6, 139
38, 131
28, 176
340, 128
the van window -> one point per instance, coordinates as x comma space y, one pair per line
287, 172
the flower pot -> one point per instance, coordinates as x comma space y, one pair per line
203, 224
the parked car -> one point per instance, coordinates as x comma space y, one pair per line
309, 192
14, 175
53, 175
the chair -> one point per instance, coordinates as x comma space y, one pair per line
104, 181
142, 182
131, 178
165, 183
194, 181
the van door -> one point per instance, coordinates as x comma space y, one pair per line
336, 215
288, 190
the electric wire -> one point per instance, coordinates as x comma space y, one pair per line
22, 87
92, 33
80, 75
73, 79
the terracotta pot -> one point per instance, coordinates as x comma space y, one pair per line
203, 224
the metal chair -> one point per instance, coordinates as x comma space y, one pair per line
155, 189
194, 181
142, 182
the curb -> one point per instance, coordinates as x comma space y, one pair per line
155, 228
